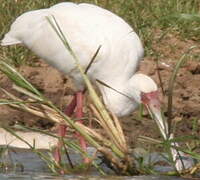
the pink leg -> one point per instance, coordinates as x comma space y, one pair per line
61, 133
77, 102
79, 115
62, 129
70, 108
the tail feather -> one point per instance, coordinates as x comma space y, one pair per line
8, 40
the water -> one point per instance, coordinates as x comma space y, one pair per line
37, 176
28, 166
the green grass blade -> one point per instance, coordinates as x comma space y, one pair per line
171, 86
17, 78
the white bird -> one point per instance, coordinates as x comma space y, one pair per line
87, 27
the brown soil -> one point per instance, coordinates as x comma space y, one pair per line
59, 89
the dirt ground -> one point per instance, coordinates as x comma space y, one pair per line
59, 89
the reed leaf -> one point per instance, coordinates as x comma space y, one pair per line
113, 133
17, 78
171, 86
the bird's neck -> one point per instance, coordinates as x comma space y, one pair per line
117, 99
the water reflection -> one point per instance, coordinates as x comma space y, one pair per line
25, 165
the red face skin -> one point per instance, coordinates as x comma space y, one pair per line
151, 98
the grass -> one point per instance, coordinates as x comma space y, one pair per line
179, 17
152, 20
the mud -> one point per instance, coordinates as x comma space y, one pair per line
186, 97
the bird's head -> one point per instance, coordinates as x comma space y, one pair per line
145, 91
140, 89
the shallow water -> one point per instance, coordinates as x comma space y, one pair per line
37, 176
25, 165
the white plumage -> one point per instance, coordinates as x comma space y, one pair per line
87, 27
